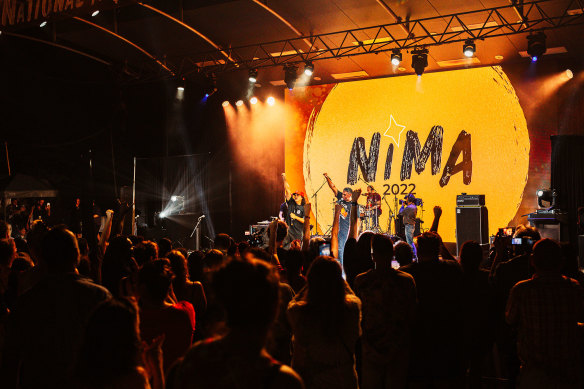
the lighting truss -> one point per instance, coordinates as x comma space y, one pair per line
516, 18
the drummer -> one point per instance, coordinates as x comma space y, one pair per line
373, 207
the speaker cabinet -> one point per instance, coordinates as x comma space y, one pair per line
472, 223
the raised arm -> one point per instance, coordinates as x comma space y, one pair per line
353, 227
306, 235
335, 232
287, 191
330, 183
436, 221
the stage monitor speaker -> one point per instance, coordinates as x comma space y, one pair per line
472, 223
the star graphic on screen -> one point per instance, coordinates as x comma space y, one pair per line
394, 130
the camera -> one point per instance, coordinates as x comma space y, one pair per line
324, 248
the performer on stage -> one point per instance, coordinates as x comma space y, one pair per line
344, 199
409, 212
295, 217
373, 207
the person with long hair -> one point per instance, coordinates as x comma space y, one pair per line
247, 289
113, 356
185, 289
325, 319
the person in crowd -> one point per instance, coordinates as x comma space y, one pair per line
196, 266
145, 251
12, 208
34, 238
505, 273
570, 263
84, 267
213, 260
160, 314
389, 305
7, 255
404, 255
46, 328
325, 319
295, 219
548, 312
280, 334
184, 289
248, 291
41, 210
119, 269
479, 312
112, 355
5, 230
164, 247
223, 243
293, 268
437, 342
75, 217
357, 252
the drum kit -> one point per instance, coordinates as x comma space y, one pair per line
369, 218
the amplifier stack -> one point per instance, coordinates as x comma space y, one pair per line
472, 220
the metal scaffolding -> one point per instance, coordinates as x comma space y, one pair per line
516, 18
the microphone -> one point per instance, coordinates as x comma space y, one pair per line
201, 217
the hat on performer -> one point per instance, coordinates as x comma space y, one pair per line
301, 193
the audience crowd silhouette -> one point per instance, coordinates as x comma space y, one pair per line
104, 310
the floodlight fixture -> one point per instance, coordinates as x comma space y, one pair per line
548, 195
290, 75
419, 60
536, 46
396, 57
308, 69
253, 75
469, 48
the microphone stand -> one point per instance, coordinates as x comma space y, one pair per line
195, 229
315, 197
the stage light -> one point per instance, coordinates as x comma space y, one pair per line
239, 103
209, 84
396, 57
290, 75
253, 100
548, 195
271, 101
308, 69
225, 103
162, 215
181, 85
569, 74
253, 75
419, 60
469, 48
95, 13
43, 24
173, 198
536, 46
